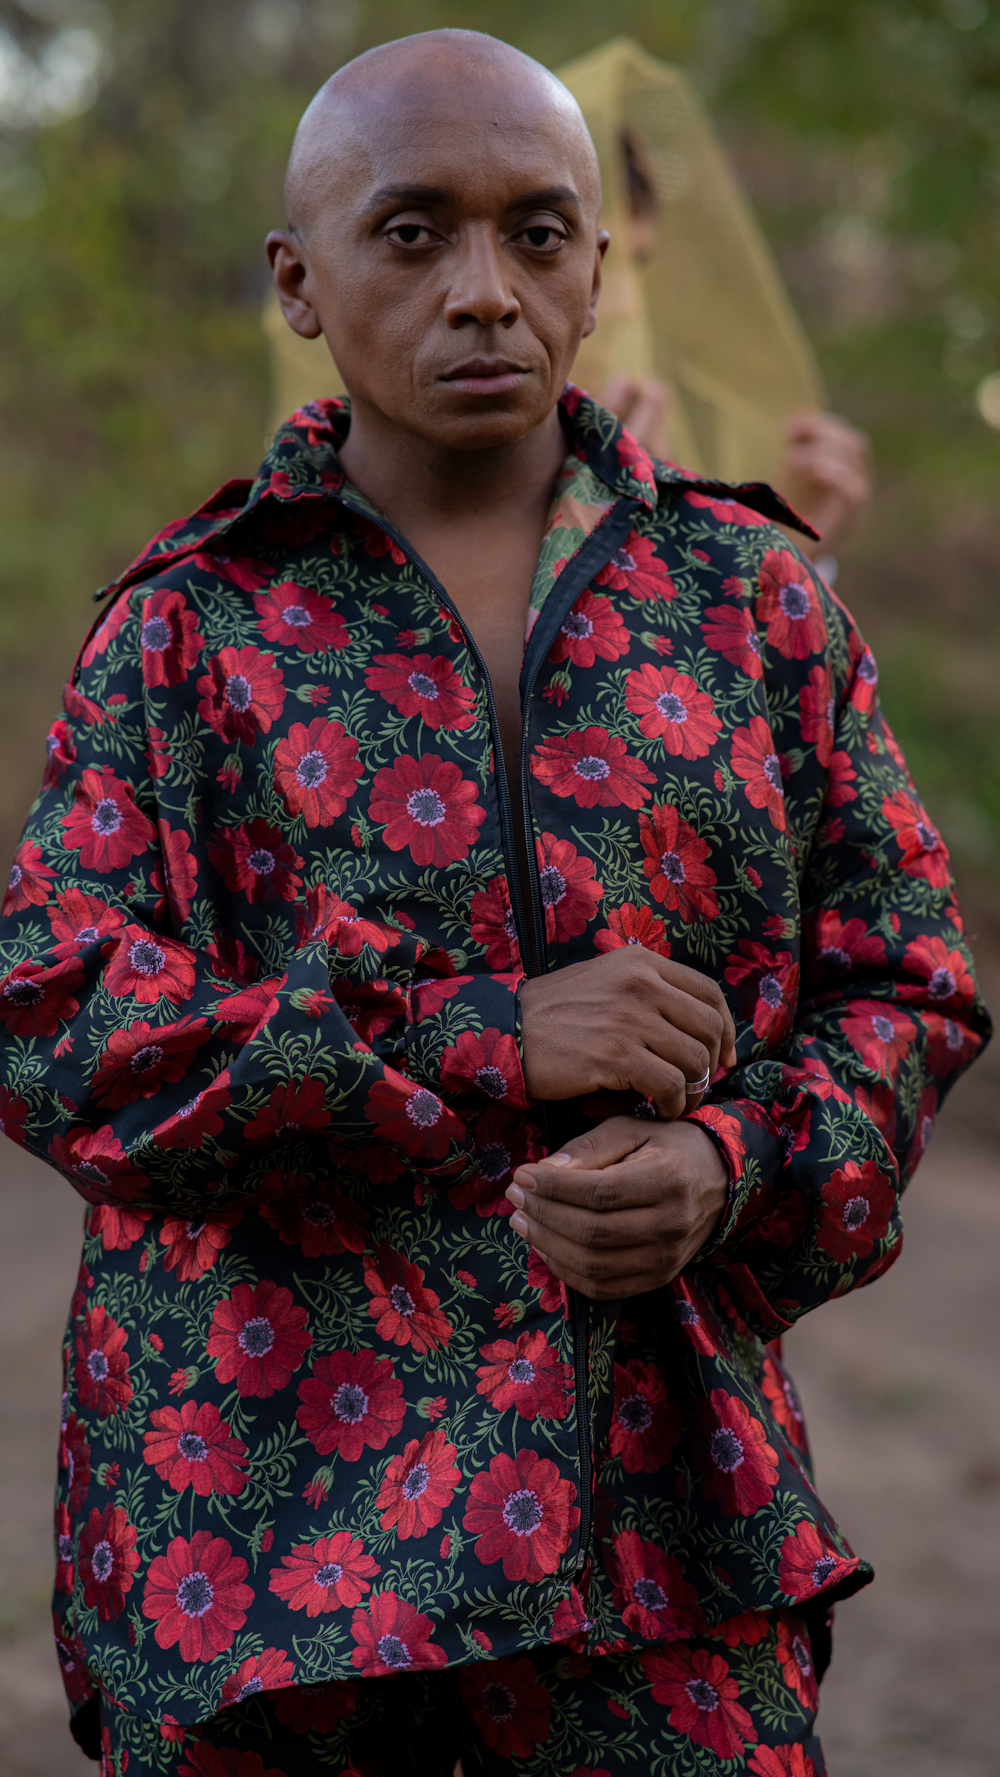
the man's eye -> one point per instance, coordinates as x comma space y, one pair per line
542, 234
408, 234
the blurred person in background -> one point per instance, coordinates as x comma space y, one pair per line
480, 955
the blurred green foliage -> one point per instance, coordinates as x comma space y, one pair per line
141, 151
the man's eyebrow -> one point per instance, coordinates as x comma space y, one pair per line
545, 198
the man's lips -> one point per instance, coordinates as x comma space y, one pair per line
485, 376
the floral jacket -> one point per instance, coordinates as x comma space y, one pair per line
326, 1416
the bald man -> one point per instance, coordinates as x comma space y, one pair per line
480, 957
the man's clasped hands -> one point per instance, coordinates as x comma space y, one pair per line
622, 1209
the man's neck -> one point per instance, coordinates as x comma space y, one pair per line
414, 482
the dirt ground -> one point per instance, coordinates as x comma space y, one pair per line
902, 1391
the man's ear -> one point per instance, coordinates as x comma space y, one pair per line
590, 323
291, 279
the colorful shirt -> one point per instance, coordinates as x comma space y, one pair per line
326, 1415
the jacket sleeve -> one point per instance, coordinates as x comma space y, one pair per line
146, 1050
880, 1010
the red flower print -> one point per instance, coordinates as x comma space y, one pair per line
393, 1637
119, 1228
880, 1105
569, 896
270, 1671
242, 693
946, 973
243, 1015
503, 1142
255, 860
924, 851
108, 1561
97, 1163
104, 823
426, 805
731, 629
789, 606
675, 864
147, 967
510, 1710
35, 1001
350, 1403
809, 1562
766, 985
318, 1218
646, 1421
64, 1551
696, 1687
375, 539
837, 948
324, 1575
493, 925
594, 768
327, 918
670, 705
880, 1034
783, 1402
143, 1057
552, 1292
296, 617
782, 1761
593, 628
650, 1589
865, 681
521, 1513
169, 638
418, 1485
528, 1375
403, 1310
297, 1107
74, 1457
818, 712
192, 1246
857, 1202
202, 1760
258, 1338
725, 509
201, 1116
316, 1708
795, 1658
488, 1064
636, 568
178, 877
412, 1117
838, 788
101, 1368
60, 753
81, 920
316, 769
425, 685
949, 1045
747, 1628
754, 759
370, 1008
196, 1596
738, 1466
633, 925
13, 1115
194, 1447
28, 884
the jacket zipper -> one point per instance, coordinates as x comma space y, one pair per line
590, 557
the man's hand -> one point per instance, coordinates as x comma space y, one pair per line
627, 1020
621, 1210
826, 475
642, 404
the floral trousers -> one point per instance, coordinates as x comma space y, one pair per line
743, 1699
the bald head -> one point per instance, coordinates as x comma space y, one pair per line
435, 82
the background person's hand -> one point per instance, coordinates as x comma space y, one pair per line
642, 404
627, 1020
622, 1209
826, 476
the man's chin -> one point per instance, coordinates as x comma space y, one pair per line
452, 421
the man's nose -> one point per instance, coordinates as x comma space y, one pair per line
480, 284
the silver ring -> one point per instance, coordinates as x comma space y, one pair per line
695, 1086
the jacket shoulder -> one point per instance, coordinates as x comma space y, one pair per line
184, 536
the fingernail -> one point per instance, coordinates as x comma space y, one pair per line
519, 1223
560, 1159
515, 1195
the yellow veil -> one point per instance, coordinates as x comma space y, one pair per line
703, 309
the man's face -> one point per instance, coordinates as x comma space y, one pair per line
451, 258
